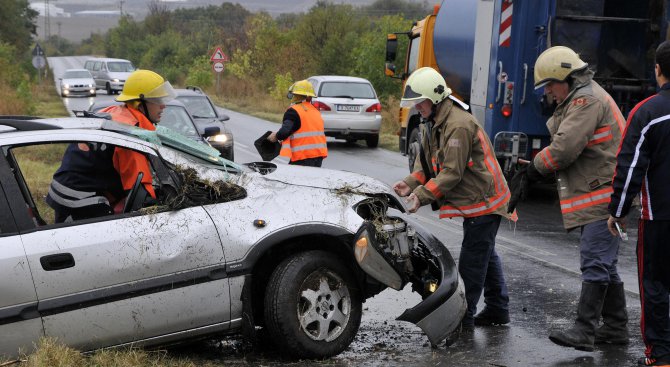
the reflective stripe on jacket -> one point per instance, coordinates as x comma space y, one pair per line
127, 162
467, 180
585, 133
309, 141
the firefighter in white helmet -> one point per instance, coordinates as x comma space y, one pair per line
458, 174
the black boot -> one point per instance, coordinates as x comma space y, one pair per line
615, 317
582, 334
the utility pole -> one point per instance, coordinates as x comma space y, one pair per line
121, 7
47, 20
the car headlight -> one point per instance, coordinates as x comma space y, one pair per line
115, 80
90, 85
66, 86
221, 138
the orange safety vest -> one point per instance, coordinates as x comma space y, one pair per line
128, 162
309, 141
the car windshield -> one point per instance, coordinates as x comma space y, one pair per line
347, 90
178, 119
76, 74
198, 106
122, 67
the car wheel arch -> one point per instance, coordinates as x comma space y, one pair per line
272, 250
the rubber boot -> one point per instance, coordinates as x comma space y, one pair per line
614, 329
582, 334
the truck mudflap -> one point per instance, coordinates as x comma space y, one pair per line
396, 250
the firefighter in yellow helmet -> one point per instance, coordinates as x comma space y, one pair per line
95, 180
301, 133
585, 129
457, 173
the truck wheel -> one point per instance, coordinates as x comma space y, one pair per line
413, 148
108, 87
372, 141
312, 305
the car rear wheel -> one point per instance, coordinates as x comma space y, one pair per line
312, 305
372, 141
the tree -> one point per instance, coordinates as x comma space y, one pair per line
370, 53
17, 24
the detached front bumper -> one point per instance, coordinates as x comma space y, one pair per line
397, 251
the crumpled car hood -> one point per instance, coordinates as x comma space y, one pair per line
327, 179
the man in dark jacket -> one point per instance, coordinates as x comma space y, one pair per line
643, 165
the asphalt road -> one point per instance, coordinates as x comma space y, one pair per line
540, 259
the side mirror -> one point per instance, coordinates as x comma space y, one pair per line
211, 131
391, 47
222, 116
389, 69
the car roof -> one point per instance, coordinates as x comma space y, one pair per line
189, 91
338, 78
86, 70
107, 103
23, 124
105, 59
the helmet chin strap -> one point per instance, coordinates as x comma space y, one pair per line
145, 109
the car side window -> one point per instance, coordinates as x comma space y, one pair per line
67, 182
96, 66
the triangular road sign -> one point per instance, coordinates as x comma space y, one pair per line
218, 55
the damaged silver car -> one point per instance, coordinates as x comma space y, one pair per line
226, 249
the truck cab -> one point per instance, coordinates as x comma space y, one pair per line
486, 51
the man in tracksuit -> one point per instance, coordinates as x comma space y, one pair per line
643, 165
585, 132
457, 172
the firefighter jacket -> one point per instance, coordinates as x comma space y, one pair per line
85, 178
643, 163
466, 178
127, 162
309, 141
585, 133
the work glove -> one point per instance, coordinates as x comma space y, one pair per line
518, 187
531, 173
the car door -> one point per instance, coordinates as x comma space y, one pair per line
20, 323
125, 278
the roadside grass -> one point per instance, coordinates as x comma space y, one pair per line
47, 102
51, 353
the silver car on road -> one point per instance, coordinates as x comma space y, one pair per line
349, 107
226, 248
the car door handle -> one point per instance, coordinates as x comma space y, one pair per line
57, 261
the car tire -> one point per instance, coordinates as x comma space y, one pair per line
308, 293
108, 87
413, 147
372, 141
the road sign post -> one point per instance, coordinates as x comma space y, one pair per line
39, 61
217, 59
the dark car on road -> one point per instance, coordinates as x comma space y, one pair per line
206, 114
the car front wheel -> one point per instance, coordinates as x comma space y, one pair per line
312, 305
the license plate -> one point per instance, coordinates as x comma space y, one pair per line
348, 108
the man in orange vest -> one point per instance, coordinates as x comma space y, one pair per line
301, 133
94, 179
